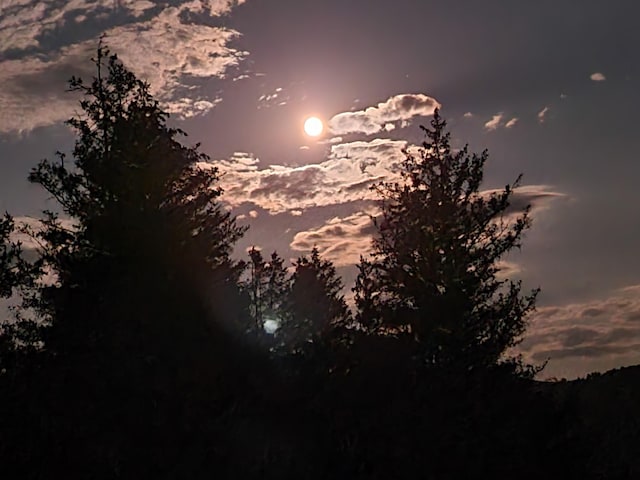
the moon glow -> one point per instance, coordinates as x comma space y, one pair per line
313, 126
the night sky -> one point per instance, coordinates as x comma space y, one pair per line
550, 88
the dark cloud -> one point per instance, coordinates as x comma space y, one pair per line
297, 184
579, 336
588, 351
604, 330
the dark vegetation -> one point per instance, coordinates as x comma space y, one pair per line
148, 353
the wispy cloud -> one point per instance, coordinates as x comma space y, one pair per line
372, 120
275, 98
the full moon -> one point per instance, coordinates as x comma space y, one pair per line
313, 126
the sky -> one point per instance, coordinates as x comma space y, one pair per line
550, 88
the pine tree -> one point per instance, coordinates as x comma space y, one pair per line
147, 217
138, 346
315, 302
433, 272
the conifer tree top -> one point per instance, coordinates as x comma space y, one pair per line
434, 269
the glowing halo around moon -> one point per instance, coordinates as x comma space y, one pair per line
313, 126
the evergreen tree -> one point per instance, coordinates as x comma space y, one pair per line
433, 273
147, 218
315, 303
136, 353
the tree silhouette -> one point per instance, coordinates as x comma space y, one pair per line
278, 284
10, 255
268, 286
315, 304
19, 334
254, 286
145, 289
145, 207
433, 270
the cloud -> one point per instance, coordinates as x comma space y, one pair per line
539, 197
468, 115
498, 120
341, 239
163, 45
542, 114
371, 120
511, 123
586, 335
345, 176
332, 140
494, 123
598, 77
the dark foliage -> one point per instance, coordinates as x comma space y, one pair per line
19, 334
267, 288
315, 304
10, 255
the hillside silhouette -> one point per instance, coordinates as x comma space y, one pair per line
139, 348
